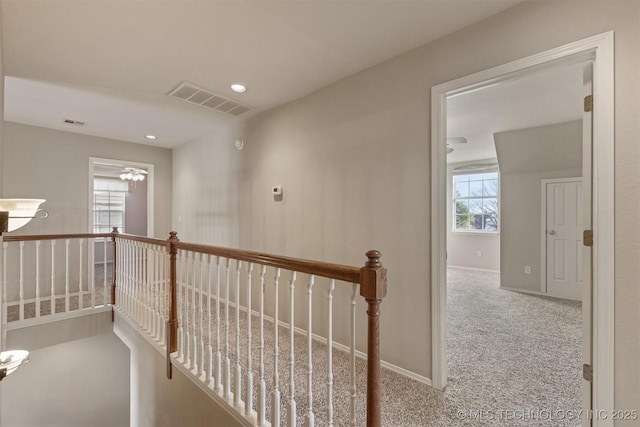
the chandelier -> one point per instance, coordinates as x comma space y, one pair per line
133, 174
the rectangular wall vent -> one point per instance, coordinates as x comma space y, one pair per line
191, 93
74, 122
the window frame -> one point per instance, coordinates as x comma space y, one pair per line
122, 194
454, 214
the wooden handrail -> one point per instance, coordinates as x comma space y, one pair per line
142, 239
55, 237
332, 271
372, 279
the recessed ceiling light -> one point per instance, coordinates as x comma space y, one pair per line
151, 137
238, 88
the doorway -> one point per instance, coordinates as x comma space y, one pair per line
126, 202
598, 293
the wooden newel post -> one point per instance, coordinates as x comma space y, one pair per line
114, 234
172, 322
373, 287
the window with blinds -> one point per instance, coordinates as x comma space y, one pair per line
109, 204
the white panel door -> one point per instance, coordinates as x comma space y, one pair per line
564, 239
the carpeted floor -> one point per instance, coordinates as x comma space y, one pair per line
514, 360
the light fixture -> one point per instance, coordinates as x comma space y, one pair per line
238, 88
14, 213
133, 174
455, 140
151, 137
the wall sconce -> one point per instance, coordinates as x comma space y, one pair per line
14, 213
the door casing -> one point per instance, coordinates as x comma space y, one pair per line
600, 50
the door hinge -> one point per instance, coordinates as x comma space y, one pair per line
587, 372
587, 237
588, 103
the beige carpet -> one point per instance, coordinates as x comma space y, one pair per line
514, 360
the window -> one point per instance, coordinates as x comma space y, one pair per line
475, 200
108, 204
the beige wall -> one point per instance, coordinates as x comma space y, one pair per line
463, 248
354, 162
207, 176
526, 157
157, 401
78, 375
54, 165
521, 197
135, 210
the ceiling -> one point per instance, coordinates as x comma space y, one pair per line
552, 96
111, 64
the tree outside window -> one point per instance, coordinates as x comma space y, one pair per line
476, 202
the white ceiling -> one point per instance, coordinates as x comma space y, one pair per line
553, 96
111, 63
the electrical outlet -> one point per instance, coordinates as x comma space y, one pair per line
527, 269
479, 254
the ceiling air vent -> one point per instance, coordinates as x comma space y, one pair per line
194, 95
74, 122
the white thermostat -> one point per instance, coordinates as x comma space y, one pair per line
276, 190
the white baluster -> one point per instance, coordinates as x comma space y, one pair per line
332, 285
275, 408
5, 246
104, 271
201, 363
37, 279
163, 294
187, 311
53, 277
153, 286
209, 368
238, 370
310, 418
180, 304
187, 306
21, 281
291, 411
353, 389
248, 406
66, 275
262, 395
138, 283
227, 360
194, 309
144, 281
217, 357
80, 290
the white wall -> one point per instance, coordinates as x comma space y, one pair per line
463, 248
354, 162
54, 165
157, 401
78, 375
526, 157
206, 179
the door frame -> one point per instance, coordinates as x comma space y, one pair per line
543, 226
126, 163
600, 50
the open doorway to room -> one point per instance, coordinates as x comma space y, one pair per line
490, 321
507, 336
121, 195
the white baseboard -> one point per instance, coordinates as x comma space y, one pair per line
524, 291
473, 269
